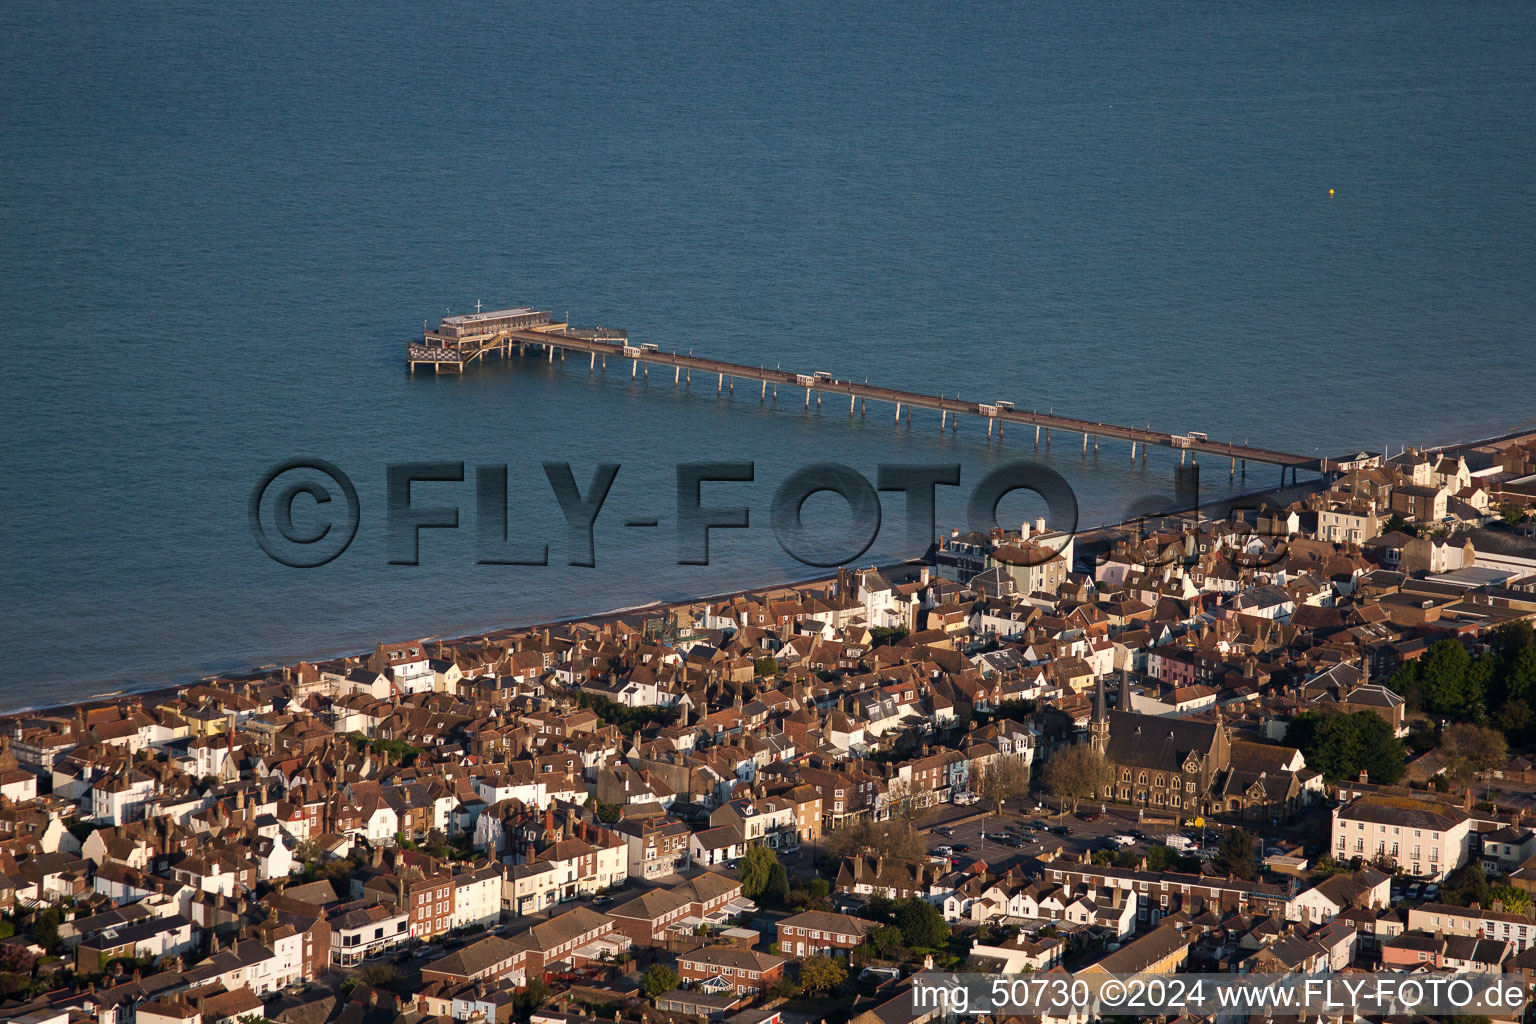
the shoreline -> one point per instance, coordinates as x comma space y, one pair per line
1099, 534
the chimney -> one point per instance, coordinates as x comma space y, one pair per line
1039, 524
1024, 531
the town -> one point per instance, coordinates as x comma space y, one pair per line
1299, 739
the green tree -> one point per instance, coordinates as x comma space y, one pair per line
763, 877
1512, 514
1397, 524
1340, 746
921, 923
1516, 901
887, 940
659, 978
1465, 886
532, 997
766, 666
1442, 678
822, 973
379, 975
45, 927
1237, 855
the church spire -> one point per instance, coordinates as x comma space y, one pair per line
1098, 730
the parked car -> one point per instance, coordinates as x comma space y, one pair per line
943, 831
1060, 830
1137, 834
942, 851
1431, 891
1090, 815
1123, 840
998, 837
1415, 891
962, 848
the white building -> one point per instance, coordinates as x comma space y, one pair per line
1421, 837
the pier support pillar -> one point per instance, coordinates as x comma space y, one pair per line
634, 367
719, 383
989, 428
1245, 469
1085, 444
733, 385
677, 375
943, 419
818, 399
1232, 469
1182, 455
807, 398
851, 400
592, 366
551, 353
1133, 451
898, 412
764, 396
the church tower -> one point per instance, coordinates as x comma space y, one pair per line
1098, 729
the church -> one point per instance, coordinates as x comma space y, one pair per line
1170, 764
1193, 767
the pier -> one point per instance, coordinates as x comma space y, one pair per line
460, 342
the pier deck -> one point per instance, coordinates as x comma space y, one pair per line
559, 338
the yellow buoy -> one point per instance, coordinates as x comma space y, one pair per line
1330, 191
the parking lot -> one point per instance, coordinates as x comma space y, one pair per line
1088, 831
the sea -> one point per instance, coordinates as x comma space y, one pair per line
1310, 226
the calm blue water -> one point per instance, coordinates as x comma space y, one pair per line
221, 223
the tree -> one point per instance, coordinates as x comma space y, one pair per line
1465, 886
886, 940
822, 973
1516, 901
1473, 749
1236, 855
1397, 524
1077, 773
659, 978
1513, 514
901, 801
378, 975
921, 923
893, 838
1442, 679
763, 876
45, 927
1340, 746
1004, 778
533, 996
